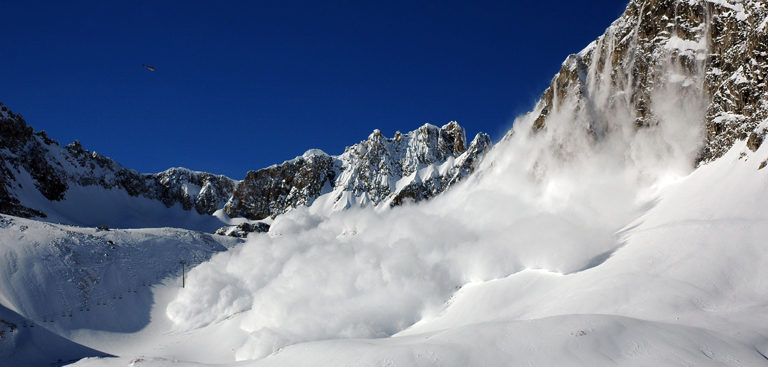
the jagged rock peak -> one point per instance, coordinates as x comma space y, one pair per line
378, 170
309, 154
5, 113
278, 188
382, 170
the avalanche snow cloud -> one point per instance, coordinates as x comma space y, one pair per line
556, 201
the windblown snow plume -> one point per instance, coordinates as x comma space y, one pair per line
550, 196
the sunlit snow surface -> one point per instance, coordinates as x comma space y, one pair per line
675, 279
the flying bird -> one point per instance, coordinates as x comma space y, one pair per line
150, 68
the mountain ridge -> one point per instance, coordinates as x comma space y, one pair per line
379, 164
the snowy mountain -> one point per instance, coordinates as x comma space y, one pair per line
42, 179
621, 222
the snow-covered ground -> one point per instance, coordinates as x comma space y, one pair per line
681, 283
57, 279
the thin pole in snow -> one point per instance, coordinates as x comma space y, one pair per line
182, 262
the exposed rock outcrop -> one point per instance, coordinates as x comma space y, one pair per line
415, 166
717, 47
276, 189
243, 229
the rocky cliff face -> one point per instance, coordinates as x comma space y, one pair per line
715, 48
276, 189
413, 166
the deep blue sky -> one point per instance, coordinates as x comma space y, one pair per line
242, 85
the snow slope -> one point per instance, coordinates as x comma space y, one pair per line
574, 340
681, 287
686, 261
64, 279
92, 274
